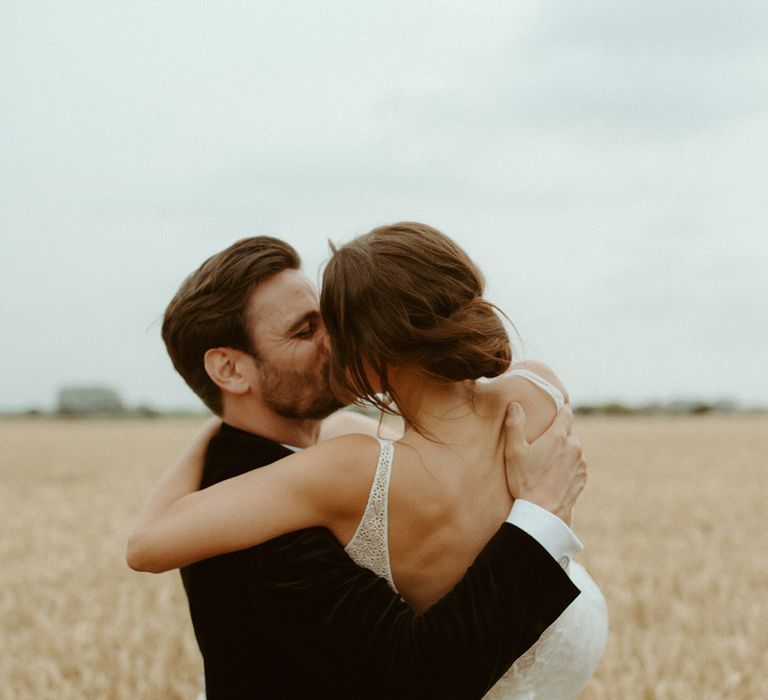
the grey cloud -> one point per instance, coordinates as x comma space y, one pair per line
652, 26
604, 162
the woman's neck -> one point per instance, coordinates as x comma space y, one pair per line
433, 404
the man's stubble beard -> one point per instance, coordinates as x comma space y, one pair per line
295, 394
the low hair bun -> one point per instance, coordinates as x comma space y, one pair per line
471, 343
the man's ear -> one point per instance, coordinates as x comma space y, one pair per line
229, 369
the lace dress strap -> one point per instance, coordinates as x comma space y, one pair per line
369, 546
539, 381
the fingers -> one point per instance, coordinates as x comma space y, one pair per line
563, 421
213, 423
211, 427
581, 475
574, 447
514, 427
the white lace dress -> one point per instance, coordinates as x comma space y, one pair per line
559, 664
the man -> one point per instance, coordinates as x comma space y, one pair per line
294, 617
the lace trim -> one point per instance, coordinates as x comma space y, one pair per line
369, 546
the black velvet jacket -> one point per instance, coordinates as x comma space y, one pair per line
296, 618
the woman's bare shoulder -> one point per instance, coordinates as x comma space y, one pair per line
346, 422
538, 404
542, 370
343, 468
345, 446
511, 379
344, 454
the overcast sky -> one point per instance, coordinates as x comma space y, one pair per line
605, 163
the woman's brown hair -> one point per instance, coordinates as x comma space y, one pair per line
407, 295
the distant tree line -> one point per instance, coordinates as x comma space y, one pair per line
102, 401
97, 400
694, 408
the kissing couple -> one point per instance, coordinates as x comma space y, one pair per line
324, 557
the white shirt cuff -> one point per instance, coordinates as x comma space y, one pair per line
547, 529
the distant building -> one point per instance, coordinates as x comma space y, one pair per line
89, 400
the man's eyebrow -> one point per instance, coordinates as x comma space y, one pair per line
301, 320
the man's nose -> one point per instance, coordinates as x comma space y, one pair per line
325, 343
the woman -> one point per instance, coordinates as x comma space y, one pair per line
406, 320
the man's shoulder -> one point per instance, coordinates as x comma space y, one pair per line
231, 438
232, 452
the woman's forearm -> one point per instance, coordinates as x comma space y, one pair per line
321, 486
181, 478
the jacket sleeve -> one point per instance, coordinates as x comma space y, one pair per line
357, 635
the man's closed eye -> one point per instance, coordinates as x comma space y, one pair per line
306, 332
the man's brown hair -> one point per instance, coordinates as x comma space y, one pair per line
408, 295
209, 309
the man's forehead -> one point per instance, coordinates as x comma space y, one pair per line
283, 299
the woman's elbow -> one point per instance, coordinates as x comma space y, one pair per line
139, 556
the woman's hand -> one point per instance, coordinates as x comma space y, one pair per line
199, 443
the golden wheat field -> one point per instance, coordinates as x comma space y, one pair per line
673, 520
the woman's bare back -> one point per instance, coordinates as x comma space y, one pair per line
448, 496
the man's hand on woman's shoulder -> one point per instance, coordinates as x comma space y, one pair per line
549, 472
